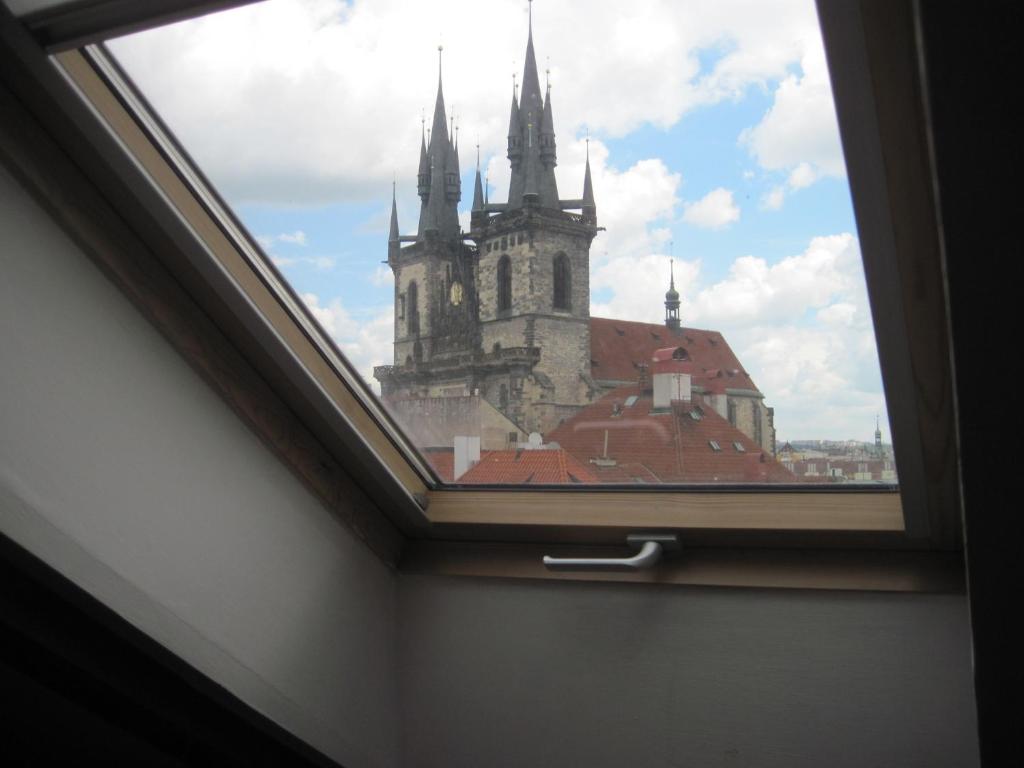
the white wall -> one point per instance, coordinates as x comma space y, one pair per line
125, 472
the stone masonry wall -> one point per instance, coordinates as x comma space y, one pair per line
531, 259
406, 273
745, 413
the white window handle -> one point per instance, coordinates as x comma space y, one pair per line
651, 546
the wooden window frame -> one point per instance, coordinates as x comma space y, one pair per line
196, 273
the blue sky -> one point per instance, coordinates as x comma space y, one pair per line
712, 136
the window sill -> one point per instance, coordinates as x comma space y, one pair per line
839, 570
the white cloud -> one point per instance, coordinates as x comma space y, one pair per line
715, 210
799, 135
321, 263
802, 176
774, 198
382, 276
292, 101
756, 292
298, 237
365, 337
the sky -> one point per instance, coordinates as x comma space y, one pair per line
712, 139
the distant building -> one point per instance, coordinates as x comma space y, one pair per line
840, 461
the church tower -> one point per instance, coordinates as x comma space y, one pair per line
435, 296
501, 312
533, 274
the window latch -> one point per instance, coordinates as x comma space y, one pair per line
651, 546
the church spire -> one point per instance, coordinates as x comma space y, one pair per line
589, 206
547, 131
394, 243
478, 188
672, 300
515, 145
423, 176
438, 213
533, 160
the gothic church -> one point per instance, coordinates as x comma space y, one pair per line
500, 316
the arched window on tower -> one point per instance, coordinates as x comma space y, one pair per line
562, 281
412, 309
504, 284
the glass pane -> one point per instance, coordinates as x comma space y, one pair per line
606, 244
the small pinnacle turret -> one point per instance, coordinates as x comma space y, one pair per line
547, 132
515, 142
423, 177
394, 241
478, 189
589, 209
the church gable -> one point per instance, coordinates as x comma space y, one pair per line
619, 349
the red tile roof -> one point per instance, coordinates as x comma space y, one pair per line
619, 347
519, 467
666, 446
442, 460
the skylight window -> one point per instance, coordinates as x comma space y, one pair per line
526, 227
